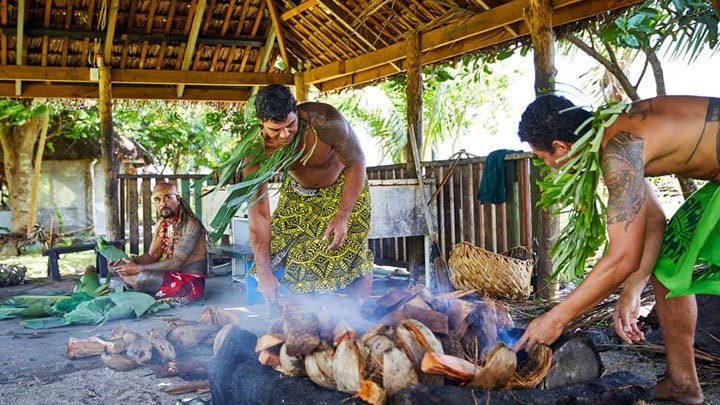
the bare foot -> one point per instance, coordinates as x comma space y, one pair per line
667, 390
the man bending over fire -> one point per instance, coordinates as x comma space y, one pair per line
176, 264
319, 228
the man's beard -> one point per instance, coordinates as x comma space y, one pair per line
166, 212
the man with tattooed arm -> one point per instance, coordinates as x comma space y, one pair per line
659, 136
176, 263
318, 231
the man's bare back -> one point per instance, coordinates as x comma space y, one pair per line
678, 135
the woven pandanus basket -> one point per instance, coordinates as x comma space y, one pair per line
501, 276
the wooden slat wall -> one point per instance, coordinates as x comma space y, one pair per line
460, 216
136, 206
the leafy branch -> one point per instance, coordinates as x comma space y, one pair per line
573, 187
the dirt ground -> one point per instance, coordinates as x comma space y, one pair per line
34, 370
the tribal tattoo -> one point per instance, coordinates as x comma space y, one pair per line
336, 132
640, 110
624, 177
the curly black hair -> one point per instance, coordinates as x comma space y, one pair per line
274, 103
550, 118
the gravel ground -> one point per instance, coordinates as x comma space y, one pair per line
34, 370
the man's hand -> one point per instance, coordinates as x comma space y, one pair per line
126, 267
625, 317
268, 286
544, 329
338, 228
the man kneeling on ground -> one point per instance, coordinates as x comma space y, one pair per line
176, 264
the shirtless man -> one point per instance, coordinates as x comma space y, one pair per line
176, 263
659, 136
318, 232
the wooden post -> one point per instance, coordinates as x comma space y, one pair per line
416, 258
538, 17
414, 100
109, 161
301, 90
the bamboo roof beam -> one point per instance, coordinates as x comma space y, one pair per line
198, 14
278, 33
485, 7
148, 30
298, 9
372, 66
342, 16
110, 30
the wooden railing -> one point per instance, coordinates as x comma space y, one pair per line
136, 206
461, 217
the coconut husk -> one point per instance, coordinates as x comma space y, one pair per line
265, 342
140, 351
348, 367
218, 316
269, 358
415, 339
301, 332
497, 370
532, 371
342, 332
94, 346
220, 337
372, 393
319, 367
117, 362
157, 337
292, 366
398, 371
190, 334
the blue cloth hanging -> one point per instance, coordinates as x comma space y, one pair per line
492, 184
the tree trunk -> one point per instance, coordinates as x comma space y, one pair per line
716, 6
538, 17
32, 217
18, 143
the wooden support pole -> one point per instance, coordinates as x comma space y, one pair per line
301, 90
414, 100
416, 259
538, 17
109, 161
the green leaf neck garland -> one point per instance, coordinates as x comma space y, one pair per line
573, 187
250, 151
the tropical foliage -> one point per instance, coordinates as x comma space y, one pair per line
457, 98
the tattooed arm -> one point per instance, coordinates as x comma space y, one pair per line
332, 128
628, 227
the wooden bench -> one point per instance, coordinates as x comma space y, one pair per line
53, 255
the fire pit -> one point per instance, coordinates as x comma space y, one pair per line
408, 347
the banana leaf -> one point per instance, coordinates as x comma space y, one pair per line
10, 312
24, 301
110, 251
44, 323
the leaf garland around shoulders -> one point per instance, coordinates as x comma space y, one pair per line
249, 151
572, 190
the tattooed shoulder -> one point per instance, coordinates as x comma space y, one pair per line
623, 170
640, 109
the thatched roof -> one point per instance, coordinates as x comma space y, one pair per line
64, 148
220, 49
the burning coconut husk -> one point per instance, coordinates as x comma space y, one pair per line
407, 337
